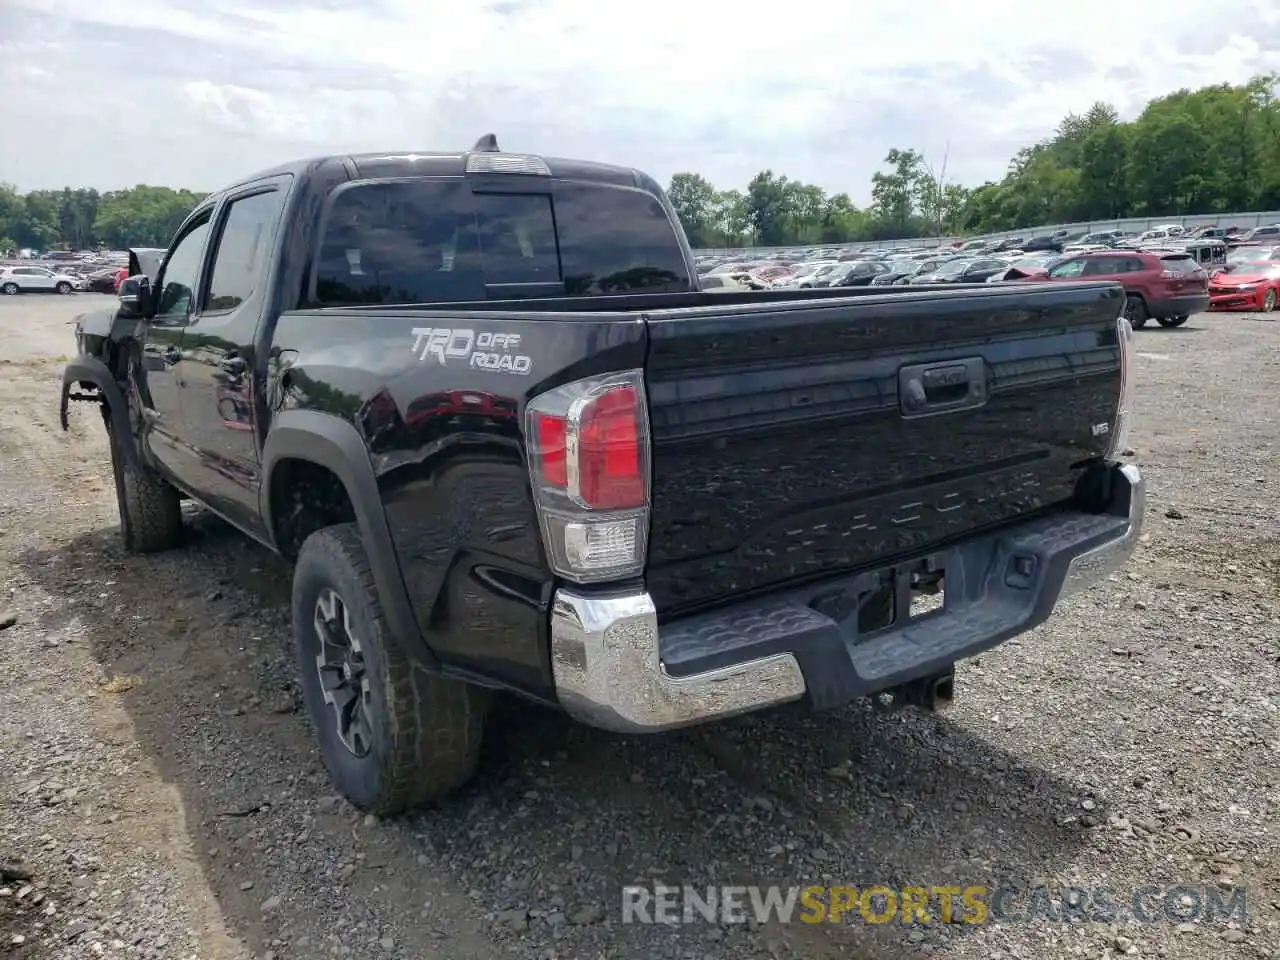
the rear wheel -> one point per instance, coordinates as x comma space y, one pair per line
150, 509
1269, 301
392, 736
9, 289
1135, 311
1172, 321
63, 288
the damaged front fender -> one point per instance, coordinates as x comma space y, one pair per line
88, 378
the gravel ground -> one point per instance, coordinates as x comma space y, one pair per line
160, 789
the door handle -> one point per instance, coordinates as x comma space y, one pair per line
932, 388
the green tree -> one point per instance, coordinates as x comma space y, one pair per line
1104, 181
729, 216
770, 206
894, 194
142, 216
693, 198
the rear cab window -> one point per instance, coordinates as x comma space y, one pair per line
434, 240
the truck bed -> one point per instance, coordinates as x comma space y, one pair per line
782, 449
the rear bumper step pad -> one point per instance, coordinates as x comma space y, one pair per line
615, 668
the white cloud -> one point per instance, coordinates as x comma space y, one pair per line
807, 89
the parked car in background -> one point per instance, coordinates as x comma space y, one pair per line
14, 280
1050, 243
895, 269
105, 281
1212, 232
1008, 243
1250, 254
1025, 267
803, 274
1269, 234
963, 271
731, 266
1209, 252
921, 267
726, 283
854, 273
1168, 287
1251, 286
771, 275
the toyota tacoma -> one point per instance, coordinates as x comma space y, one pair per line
481, 403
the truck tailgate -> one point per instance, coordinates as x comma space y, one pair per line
793, 442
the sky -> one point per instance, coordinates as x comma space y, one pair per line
200, 93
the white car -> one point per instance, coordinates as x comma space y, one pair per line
15, 280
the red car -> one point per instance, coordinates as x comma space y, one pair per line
1166, 286
1249, 286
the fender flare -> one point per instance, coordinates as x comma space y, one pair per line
333, 443
92, 370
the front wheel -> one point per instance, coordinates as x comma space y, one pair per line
392, 736
150, 509
1172, 321
1269, 301
63, 288
10, 289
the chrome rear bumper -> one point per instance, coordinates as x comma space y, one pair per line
607, 652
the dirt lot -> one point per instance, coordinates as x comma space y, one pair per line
160, 786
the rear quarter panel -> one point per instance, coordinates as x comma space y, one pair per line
443, 436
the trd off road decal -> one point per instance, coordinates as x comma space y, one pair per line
483, 350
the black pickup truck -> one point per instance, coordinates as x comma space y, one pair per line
480, 401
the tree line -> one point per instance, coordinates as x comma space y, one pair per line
1212, 150
79, 218
1206, 151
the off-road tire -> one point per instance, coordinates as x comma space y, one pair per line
1135, 309
1172, 321
150, 509
426, 730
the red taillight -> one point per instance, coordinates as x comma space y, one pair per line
588, 445
550, 455
609, 476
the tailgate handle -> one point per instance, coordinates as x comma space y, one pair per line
925, 389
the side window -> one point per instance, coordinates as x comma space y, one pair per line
1072, 268
241, 257
1102, 267
178, 276
615, 239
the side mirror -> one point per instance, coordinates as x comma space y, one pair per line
135, 297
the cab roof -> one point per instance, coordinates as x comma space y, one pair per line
390, 164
